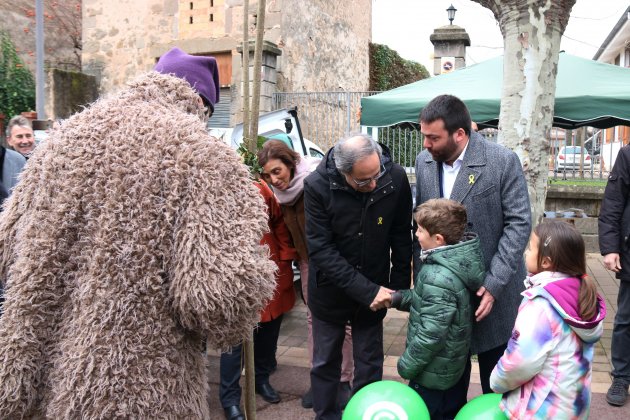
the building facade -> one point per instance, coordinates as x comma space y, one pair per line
615, 50
311, 45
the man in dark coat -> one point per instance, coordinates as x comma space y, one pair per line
614, 231
358, 228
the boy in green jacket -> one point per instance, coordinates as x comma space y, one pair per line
440, 306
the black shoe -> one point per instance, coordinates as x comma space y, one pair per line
617, 393
345, 392
267, 393
307, 399
233, 412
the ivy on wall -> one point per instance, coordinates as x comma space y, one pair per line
17, 86
388, 70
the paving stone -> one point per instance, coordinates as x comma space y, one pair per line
292, 343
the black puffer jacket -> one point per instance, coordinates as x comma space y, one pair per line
614, 217
356, 241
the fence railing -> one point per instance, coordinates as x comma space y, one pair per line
325, 117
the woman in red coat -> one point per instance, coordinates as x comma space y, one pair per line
285, 170
266, 335
282, 253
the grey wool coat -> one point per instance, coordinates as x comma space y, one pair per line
492, 186
131, 239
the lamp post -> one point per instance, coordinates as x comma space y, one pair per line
451, 13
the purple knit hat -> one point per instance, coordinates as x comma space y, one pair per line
200, 71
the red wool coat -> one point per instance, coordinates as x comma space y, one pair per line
282, 253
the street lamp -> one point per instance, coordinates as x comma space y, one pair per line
451, 13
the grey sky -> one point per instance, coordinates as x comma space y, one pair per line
405, 26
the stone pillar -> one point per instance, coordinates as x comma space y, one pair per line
68, 91
449, 48
269, 73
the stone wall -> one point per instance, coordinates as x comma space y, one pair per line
118, 37
67, 92
17, 17
324, 44
565, 197
589, 199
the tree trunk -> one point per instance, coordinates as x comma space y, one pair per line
250, 134
531, 32
248, 346
256, 73
245, 74
250, 385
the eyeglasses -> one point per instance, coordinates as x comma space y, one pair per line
364, 182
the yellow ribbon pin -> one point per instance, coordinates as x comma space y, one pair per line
380, 220
471, 179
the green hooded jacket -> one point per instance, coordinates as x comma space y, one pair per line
441, 314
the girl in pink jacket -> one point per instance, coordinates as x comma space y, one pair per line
545, 371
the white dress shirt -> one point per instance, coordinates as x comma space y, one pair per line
449, 173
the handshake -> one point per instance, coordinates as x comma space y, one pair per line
382, 300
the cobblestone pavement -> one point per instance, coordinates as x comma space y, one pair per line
292, 342
292, 377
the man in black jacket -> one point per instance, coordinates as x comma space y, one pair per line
358, 228
614, 236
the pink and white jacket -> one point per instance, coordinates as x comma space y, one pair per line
545, 371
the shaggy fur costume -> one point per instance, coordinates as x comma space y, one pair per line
131, 238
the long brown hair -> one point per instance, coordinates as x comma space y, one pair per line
277, 149
564, 246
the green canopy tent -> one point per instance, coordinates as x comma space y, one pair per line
588, 93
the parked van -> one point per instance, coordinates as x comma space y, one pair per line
282, 121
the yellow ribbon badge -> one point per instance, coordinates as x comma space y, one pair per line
380, 220
471, 179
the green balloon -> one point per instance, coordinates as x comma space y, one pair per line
386, 400
483, 407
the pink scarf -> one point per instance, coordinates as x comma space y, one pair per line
305, 166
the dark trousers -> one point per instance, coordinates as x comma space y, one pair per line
367, 342
620, 346
265, 341
487, 361
444, 405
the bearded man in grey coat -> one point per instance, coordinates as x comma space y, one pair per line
459, 164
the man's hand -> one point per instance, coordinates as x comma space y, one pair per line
485, 306
382, 300
612, 262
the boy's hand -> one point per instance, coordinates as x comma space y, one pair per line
382, 300
485, 306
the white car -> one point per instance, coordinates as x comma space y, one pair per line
570, 158
283, 121
314, 150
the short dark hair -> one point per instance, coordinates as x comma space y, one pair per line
277, 149
443, 216
449, 109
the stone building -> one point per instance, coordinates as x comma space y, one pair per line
62, 32
311, 45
